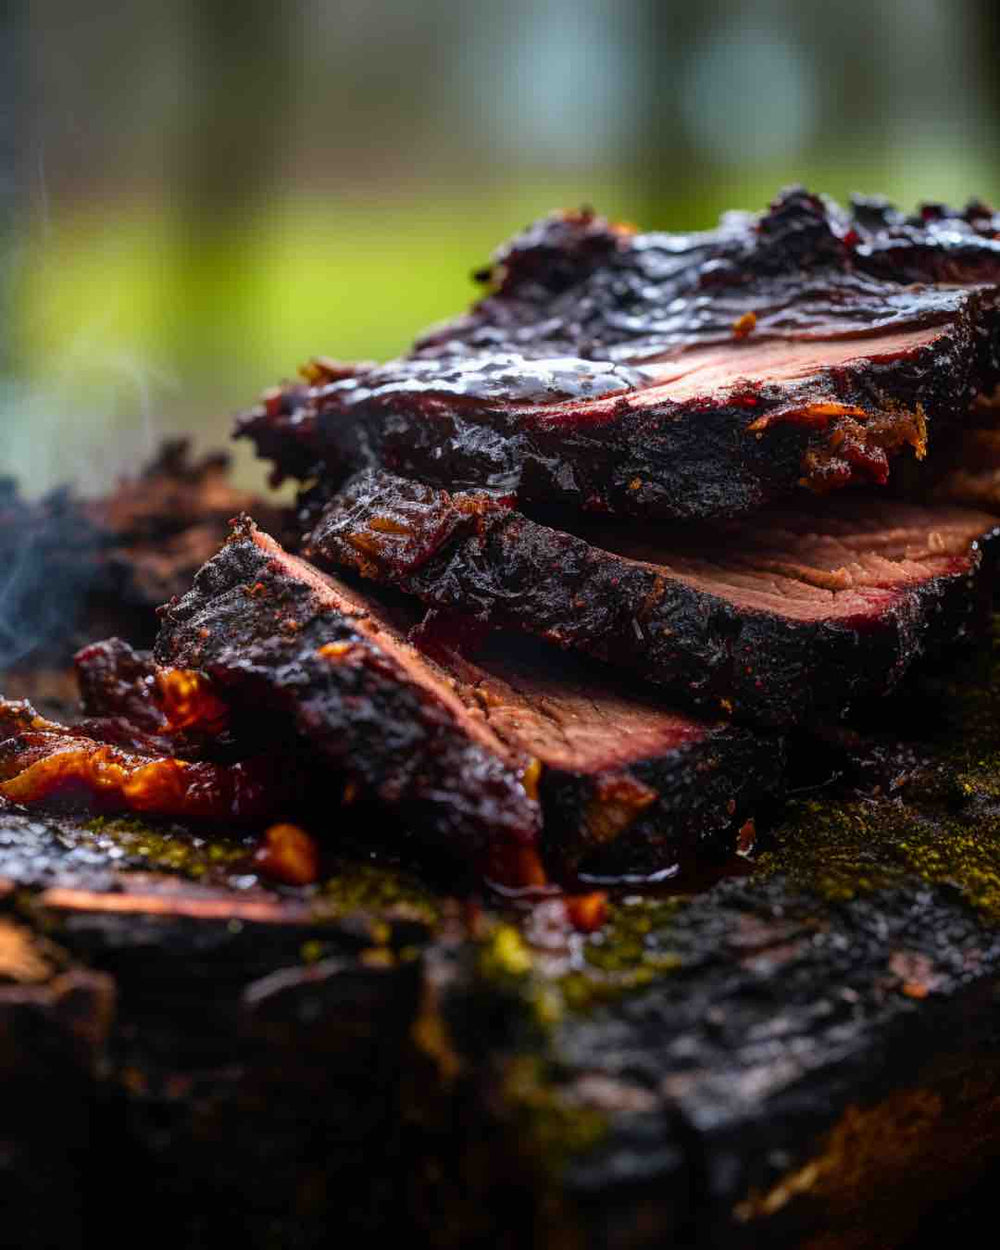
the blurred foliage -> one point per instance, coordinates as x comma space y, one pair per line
165, 327
136, 318
193, 206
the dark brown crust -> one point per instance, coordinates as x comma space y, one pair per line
267, 627
935, 244
132, 702
432, 742
576, 279
468, 553
552, 388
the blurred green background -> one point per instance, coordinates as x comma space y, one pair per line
196, 196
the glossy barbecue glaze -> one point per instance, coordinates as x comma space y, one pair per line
665, 375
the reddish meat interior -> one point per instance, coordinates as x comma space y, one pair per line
705, 370
387, 637
521, 696
837, 559
570, 717
702, 372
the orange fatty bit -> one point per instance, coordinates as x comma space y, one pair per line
288, 854
109, 779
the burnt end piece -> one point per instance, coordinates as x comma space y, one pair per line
130, 701
116, 680
794, 616
663, 375
268, 627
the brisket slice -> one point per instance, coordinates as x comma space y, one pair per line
274, 632
662, 375
575, 284
461, 752
627, 785
790, 616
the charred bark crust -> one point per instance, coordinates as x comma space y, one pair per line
264, 633
539, 390
470, 554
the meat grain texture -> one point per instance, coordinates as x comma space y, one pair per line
792, 616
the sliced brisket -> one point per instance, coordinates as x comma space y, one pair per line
792, 615
273, 631
662, 375
574, 284
626, 784
472, 756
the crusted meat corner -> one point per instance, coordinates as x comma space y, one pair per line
519, 755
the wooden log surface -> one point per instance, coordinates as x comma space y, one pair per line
806, 1055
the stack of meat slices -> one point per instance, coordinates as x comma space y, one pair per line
654, 501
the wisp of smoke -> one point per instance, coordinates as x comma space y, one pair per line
48, 564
